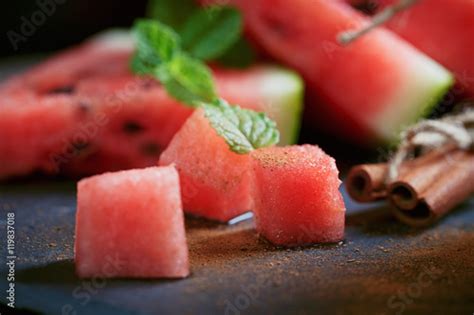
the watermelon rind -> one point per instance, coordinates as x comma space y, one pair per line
115, 38
283, 90
416, 101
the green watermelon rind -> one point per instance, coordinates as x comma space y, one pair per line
434, 98
286, 101
438, 94
416, 100
295, 103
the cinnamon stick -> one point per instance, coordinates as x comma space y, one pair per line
418, 176
426, 189
430, 190
366, 182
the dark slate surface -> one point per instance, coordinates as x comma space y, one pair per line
382, 267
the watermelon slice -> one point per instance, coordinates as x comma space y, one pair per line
214, 180
445, 31
130, 224
366, 91
296, 196
24, 137
82, 112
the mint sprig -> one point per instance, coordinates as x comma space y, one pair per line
187, 79
159, 53
244, 130
155, 43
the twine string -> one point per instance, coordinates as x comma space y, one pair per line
345, 38
452, 131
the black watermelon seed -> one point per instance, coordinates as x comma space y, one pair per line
66, 89
80, 145
132, 127
150, 149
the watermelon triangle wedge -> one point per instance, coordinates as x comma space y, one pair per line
83, 112
443, 30
365, 92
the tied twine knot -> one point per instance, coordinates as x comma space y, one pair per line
454, 131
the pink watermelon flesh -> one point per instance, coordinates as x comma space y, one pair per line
296, 196
445, 31
25, 138
365, 92
214, 180
130, 224
82, 112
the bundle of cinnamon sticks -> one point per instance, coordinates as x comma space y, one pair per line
425, 189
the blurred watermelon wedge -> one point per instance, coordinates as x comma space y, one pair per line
444, 30
365, 92
83, 112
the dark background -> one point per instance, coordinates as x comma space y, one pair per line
71, 22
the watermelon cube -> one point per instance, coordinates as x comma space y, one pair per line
130, 224
214, 180
296, 196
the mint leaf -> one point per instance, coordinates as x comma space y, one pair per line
240, 55
155, 44
173, 13
189, 80
244, 130
210, 32
158, 53
139, 66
